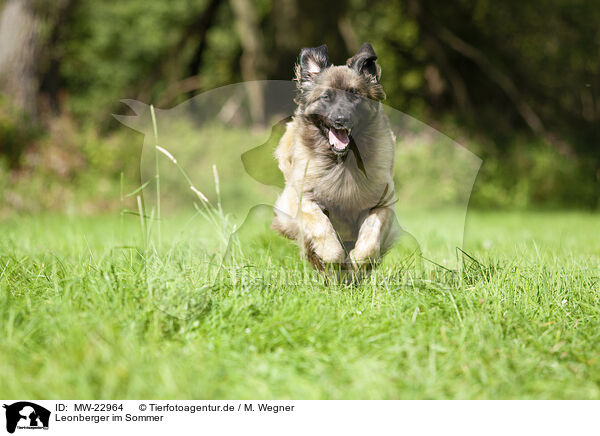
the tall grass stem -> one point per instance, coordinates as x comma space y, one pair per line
141, 213
155, 129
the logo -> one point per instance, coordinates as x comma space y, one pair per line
26, 415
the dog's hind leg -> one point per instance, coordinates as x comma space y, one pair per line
286, 209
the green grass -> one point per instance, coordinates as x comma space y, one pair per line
81, 316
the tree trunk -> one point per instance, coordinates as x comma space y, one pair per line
19, 50
252, 59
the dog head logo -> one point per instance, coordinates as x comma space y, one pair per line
26, 415
214, 130
215, 162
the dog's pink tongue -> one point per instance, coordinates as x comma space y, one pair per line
338, 138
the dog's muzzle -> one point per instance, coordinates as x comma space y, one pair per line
339, 140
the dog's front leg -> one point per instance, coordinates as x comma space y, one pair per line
373, 231
320, 241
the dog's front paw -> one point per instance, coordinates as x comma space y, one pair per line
364, 255
323, 255
329, 250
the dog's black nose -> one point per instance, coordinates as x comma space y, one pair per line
342, 122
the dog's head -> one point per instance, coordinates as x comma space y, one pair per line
338, 100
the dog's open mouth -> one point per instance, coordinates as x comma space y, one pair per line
339, 139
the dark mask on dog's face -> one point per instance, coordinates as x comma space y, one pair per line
338, 100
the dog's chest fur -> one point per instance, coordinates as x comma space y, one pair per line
345, 188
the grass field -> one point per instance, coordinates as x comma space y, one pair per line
82, 316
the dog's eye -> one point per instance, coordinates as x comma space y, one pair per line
325, 97
353, 91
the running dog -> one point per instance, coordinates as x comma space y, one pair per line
337, 159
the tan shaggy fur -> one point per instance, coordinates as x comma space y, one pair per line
338, 209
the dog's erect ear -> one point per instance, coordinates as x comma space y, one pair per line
312, 61
364, 62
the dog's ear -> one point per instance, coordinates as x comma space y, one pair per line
364, 63
311, 62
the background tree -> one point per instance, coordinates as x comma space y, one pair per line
518, 82
19, 51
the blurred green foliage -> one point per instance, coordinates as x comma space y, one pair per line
517, 83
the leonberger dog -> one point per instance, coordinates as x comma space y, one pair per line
337, 158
